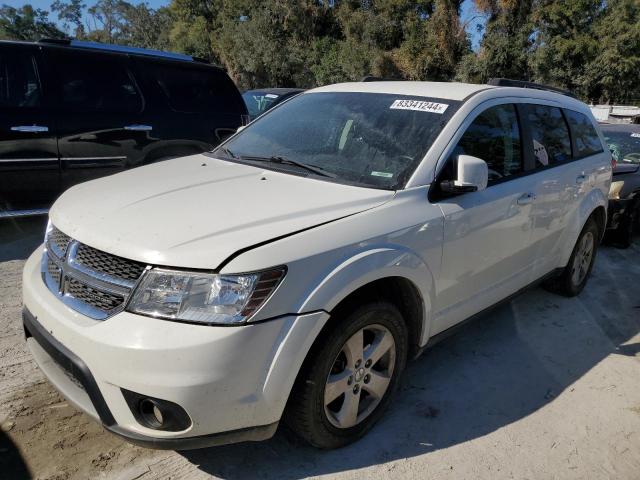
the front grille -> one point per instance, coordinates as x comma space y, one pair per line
108, 264
54, 271
58, 242
97, 299
90, 281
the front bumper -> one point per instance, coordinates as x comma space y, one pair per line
233, 382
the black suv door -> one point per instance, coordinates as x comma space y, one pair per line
196, 105
29, 170
100, 112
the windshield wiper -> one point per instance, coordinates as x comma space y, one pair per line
228, 152
286, 161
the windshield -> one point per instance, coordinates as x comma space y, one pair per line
369, 139
259, 102
624, 145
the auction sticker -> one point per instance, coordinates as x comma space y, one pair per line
635, 135
419, 106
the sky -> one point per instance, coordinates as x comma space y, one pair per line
468, 12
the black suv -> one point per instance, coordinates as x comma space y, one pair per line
72, 111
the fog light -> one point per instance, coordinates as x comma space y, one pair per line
156, 413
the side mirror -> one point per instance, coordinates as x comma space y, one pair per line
472, 175
240, 128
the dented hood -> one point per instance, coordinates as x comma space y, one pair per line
197, 211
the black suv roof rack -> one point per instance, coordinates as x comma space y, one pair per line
121, 49
507, 82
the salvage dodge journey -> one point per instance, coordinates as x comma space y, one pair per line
291, 273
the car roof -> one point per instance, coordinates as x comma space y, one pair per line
147, 53
444, 90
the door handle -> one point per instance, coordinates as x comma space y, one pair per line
30, 128
139, 128
526, 199
580, 179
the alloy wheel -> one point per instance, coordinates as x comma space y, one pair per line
360, 376
582, 259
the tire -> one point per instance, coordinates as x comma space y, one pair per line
569, 283
330, 372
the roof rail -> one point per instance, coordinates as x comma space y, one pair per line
507, 82
119, 49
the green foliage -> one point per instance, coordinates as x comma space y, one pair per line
614, 72
26, 23
591, 47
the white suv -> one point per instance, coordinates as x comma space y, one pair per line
292, 272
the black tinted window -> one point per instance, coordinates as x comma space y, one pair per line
494, 136
586, 140
551, 140
203, 90
19, 85
96, 83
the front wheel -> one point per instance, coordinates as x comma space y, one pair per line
575, 275
350, 378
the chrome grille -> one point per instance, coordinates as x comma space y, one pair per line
58, 242
90, 281
97, 299
54, 272
108, 264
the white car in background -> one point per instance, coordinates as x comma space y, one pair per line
291, 273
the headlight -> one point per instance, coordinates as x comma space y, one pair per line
615, 189
203, 297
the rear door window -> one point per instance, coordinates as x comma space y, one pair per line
550, 135
585, 138
198, 90
96, 83
19, 86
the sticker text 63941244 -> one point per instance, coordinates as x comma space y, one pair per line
419, 106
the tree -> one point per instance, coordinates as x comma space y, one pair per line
507, 44
70, 14
614, 71
26, 23
565, 43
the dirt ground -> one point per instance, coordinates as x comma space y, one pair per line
544, 387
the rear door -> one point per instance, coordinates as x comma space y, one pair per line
197, 105
100, 113
487, 235
29, 169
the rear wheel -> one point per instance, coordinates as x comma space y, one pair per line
350, 378
575, 275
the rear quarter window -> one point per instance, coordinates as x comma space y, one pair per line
198, 90
585, 137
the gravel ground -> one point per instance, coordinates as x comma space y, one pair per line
543, 387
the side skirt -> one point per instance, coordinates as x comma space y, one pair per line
460, 325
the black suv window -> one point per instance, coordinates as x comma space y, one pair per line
198, 90
96, 83
551, 140
19, 87
494, 136
585, 137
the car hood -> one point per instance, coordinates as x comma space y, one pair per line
197, 211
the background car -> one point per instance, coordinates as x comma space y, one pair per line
624, 196
72, 111
259, 101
